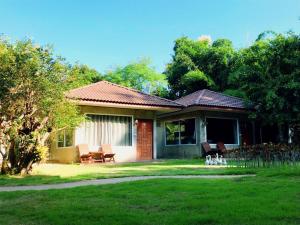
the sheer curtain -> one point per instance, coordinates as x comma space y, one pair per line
105, 129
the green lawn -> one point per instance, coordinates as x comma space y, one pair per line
272, 197
57, 173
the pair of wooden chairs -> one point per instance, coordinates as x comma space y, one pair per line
104, 154
220, 149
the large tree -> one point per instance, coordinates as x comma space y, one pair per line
139, 75
32, 103
269, 75
208, 64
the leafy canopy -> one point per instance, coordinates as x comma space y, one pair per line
139, 76
269, 75
213, 61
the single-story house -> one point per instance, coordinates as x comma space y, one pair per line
144, 127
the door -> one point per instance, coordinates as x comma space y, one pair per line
144, 139
246, 131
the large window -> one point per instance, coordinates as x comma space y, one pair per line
181, 132
65, 138
172, 133
105, 129
221, 130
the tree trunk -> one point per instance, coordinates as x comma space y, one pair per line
4, 167
281, 133
25, 170
12, 154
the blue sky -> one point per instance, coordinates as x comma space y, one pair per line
104, 34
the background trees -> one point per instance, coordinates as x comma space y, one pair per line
269, 75
80, 75
139, 75
206, 64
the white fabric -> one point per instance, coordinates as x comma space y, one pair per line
105, 129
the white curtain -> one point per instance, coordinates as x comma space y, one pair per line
105, 129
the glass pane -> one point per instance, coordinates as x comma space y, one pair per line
221, 130
188, 133
60, 144
104, 129
60, 139
172, 133
69, 138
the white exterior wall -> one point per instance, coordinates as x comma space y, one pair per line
123, 153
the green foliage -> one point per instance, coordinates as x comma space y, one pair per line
32, 102
139, 76
196, 80
235, 92
81, 75
269, 75
214, 61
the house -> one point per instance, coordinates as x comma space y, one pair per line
207, 116
144, 127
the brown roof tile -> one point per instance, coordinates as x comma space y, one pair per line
210, 98
107, 92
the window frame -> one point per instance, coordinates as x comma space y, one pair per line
178, 120
224, 118
133, 134
64, 142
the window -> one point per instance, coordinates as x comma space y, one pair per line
65, 138
105, 129
181, 132
221, 130
187, 131
172, 133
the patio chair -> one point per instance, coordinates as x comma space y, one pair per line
86, 156
221, 148
207, 149
107, 153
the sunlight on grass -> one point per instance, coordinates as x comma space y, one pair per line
58, 173
69, 170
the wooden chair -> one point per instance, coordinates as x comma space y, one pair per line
86, 156
207, 149
107, 153
221, 148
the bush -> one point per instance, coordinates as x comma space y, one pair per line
265, 155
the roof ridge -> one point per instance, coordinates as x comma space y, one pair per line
188, 95
85, 86
225, 94
201, 94
140, 92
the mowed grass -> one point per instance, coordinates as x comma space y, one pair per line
58, 173
272, 197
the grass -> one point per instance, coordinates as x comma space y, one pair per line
272, 197
57, 173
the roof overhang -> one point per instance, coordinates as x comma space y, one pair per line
126, 106
205, 108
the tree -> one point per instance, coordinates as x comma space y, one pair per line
32, 103
213, 60
195, 80
139, 76
80, 75
269, 75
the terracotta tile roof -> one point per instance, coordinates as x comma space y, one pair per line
107, 92
212, 99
